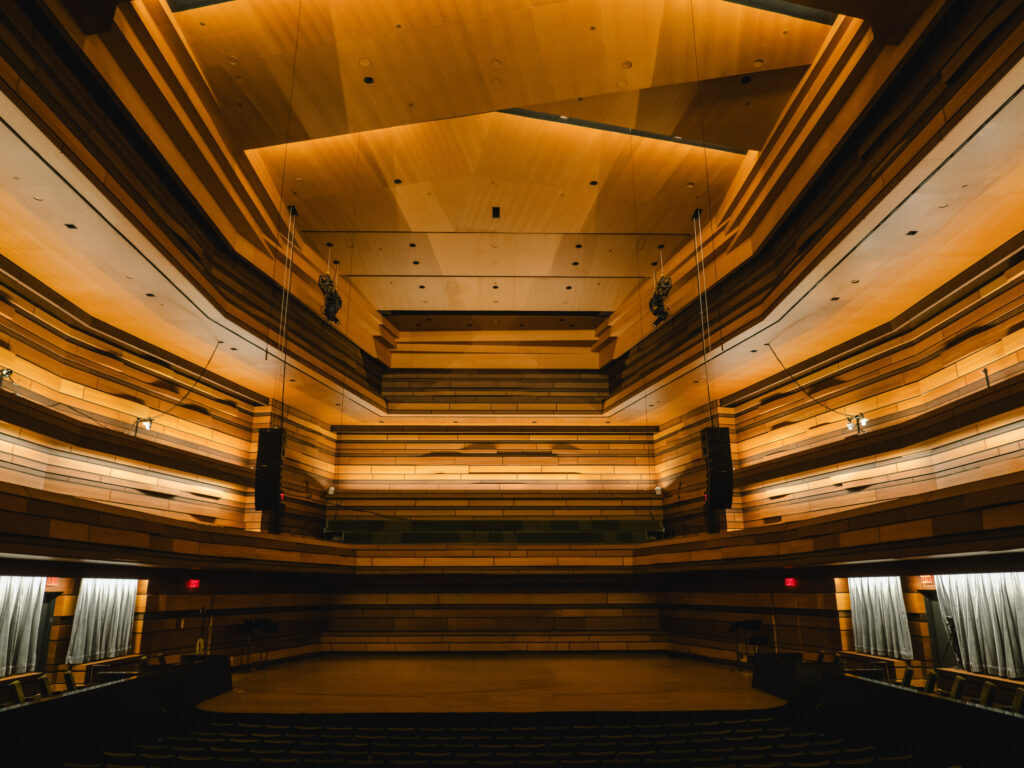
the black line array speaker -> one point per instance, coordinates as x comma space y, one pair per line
269, 458
717, 452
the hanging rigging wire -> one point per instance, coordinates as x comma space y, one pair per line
702, 308
180, 400
857, 422
289, 246
646, 406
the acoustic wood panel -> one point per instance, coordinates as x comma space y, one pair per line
494, 391
697, 613
418, 617
479, 472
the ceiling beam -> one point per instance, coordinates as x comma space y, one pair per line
889, 20
617, 129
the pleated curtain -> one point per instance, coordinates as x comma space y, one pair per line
988, 612
104, 614
21, 607
880, 625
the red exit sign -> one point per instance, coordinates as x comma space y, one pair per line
53, 581
193, 585
789, 582
927, 582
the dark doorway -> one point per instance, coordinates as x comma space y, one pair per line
942, 648
45, 620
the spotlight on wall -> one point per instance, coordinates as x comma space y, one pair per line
330, 491
657, 490
5, 374
858, 422
146, 422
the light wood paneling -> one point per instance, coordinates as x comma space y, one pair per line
262, 59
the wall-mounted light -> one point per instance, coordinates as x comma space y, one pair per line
858, 422
657, 490
146, 422
5, 374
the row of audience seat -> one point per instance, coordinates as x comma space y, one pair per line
669, 740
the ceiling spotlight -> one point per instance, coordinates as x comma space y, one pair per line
146, 422
5, 374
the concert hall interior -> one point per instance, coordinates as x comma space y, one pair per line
423, 359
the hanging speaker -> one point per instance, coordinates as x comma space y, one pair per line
717, 451
269, 457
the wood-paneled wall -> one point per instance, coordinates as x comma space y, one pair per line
455, 616
477, 472
296, 606
697, 612
494, 391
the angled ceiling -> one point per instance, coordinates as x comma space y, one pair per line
382, 124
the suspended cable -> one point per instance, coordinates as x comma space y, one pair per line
289, 246
857, 422
189, 391
639, 296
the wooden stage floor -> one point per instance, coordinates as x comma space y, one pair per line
499, 683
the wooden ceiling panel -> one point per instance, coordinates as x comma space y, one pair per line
736, 112
281, 75
476, 294
545, 177
494, 254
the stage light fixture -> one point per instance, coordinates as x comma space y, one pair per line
146, 422
5, 374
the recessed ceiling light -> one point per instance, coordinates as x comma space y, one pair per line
234, 349
654, 263
627, 65
835, 298
412, 245
579, 245
593, 183
71, 226
364, 62
368, 80
661, 246
151, 295
575, 263
758, 63
422, 287
414, 261
563, 117
494, 287
912, 232
854, 282
568, 287
398, 181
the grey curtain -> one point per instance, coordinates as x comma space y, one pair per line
988, 612
104, 614
880, 625
21, 607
